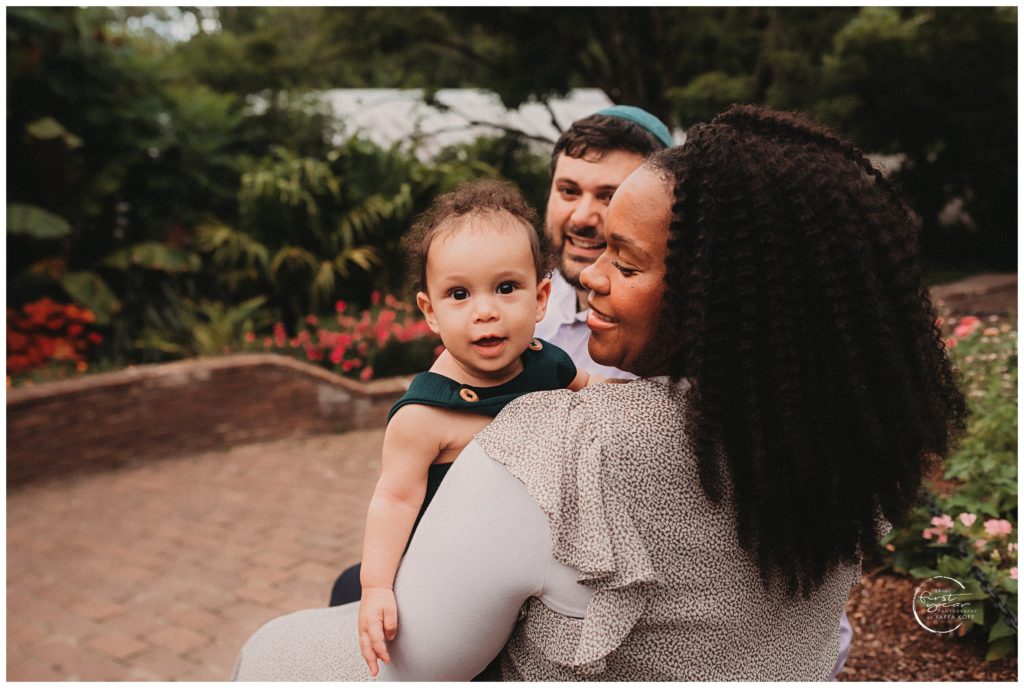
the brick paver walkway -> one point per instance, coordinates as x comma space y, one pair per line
161, 571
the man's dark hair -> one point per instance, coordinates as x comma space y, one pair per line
822, 390
467, 201
593, 136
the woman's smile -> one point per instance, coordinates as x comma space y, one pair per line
596, 320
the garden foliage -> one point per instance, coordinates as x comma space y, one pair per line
967, 528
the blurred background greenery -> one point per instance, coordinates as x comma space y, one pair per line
144, 187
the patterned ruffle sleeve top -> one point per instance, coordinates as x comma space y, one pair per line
670, 595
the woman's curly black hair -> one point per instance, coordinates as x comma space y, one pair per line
822, 391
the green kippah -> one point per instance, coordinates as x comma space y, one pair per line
643, 118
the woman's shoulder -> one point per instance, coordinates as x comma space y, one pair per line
605, 404
543, 426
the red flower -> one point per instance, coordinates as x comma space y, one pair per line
337, 353
340, 306
375, 297
366, 373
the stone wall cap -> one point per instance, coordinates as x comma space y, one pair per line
200, 367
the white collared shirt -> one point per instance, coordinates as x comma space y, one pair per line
567, 329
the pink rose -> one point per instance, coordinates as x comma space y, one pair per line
926, 533
980, 544
968, 324
1013, 573
997, 527
943, 538
967, 519
944, 522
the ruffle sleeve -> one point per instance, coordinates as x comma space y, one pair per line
552, 442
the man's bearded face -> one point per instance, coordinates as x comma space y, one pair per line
577, 203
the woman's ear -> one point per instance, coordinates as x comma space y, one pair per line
427, 309
543, 294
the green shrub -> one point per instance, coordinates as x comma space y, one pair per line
967, 529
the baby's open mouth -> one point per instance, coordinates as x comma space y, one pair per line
587, 244
489, 341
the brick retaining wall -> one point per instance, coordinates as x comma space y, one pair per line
155, 411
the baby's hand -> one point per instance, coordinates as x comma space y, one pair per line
378, 622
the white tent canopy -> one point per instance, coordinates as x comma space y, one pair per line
386, 116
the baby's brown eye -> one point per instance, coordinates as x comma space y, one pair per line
506, 288
460, 294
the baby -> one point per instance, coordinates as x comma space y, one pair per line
482, 287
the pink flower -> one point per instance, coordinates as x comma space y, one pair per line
311, 319
968, 324
926, 533
967, 519
951, 342
337, 353
943, 522
979, 544
997, 527
1013, 573
366, 374
943, 538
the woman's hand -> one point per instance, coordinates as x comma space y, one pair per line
378, 623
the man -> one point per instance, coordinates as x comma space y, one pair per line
591, 158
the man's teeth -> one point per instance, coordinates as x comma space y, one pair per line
582, 243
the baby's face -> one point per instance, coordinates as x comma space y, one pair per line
483, 296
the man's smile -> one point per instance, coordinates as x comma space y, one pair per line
587, 244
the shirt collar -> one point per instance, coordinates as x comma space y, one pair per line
563, 300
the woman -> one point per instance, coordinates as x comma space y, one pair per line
706, 521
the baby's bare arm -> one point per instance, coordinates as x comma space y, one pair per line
410, 445
582, 379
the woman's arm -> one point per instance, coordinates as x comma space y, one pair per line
482, 548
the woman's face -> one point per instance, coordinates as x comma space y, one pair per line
627, 281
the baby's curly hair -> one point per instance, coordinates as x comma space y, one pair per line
468, 201
794, 300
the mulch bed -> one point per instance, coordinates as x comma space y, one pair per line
888, 645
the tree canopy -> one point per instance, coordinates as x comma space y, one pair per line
142, 181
